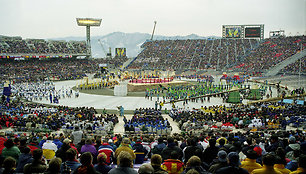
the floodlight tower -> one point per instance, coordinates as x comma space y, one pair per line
88, 22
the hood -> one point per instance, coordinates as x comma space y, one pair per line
294, 146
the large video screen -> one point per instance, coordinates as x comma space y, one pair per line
120, 52
252, 32
233, 32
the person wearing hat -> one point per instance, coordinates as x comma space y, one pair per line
61, 151
268, 165
222, 162
293, 146
102, 166
49, 149
233, 165
125, 146
250, 162
108, 150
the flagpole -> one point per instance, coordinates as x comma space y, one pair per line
300, 67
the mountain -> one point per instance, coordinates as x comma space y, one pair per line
130, 41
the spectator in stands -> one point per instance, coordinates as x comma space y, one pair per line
210, 152
86, 167
302, 165
9, 165
280, 161
125, 146
275, 143
268, 163
10, 150
49, 149
222, 162
171, 146
102, 166
125, 164
77, 135
192, 149
54, 166
89, 147
250, 162
71, 162
108, 150
37, 166
157, 149
194, 162
33, 144
233, 165
146, 169
57, 142
156, 161
24, 158
173, 165
61, 153
139, 151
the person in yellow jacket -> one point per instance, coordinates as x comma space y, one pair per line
302, 165
268, 163
281, 161
49, 149
125, 146
250, 163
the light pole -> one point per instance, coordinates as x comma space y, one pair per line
88, 22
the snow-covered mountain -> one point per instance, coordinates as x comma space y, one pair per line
130, 41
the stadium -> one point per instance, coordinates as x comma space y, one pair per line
228, 104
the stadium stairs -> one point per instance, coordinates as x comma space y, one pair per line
276, 69
128, 62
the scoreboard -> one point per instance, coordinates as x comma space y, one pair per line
120, 52
243, 31
252, 32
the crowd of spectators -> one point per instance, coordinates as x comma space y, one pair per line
295, 67
37, 117
209, 152
239, 54
260, 116
191, 54
53, 69
271, 52
40, 46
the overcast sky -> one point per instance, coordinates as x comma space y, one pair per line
56, 18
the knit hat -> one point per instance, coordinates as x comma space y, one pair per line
66, 141
102, 157
126, 141
233, 158
258, 150
292, 139
222, 156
